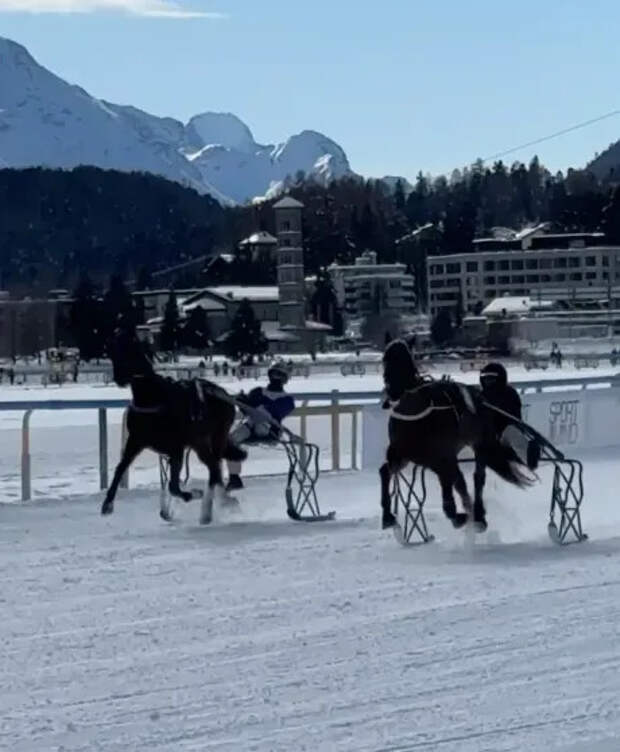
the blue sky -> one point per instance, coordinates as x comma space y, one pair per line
402, 85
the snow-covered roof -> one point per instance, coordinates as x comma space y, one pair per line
260, 238
512, 304
288, 202
208, 304
262, 293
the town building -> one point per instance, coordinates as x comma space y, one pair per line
280, 309
366, 288
578, 269
260, 246
32, 325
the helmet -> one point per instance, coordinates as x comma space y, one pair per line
493, 375
278, 372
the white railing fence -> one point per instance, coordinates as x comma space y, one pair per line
578, 413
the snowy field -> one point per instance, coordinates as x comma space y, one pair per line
256, 633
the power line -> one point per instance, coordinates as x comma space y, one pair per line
564, 131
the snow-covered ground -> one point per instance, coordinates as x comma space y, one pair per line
256, 633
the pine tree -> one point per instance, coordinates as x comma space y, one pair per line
245, 336
117, 302
86, 320
324, 301
170, 330
399, 195
196, 333
441, 327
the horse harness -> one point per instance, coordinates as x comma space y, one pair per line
194, 392
424, 410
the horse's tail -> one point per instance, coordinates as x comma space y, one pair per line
233, 453
503, 461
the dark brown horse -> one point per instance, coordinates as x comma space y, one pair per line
168, 417
430, 423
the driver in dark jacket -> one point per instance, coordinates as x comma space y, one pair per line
497, 392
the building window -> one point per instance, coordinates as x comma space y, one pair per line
489, 280
518, 279
531, 264
559, 263
576, 277
453, 268
472, 266
574, 262
533, 278
559, 277
504, 265
517, 264
286, 226
590, 275
544, 263
489, 266
504, 279
590, 260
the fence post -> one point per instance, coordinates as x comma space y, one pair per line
303, 418
335, 430
125, 479
26, 456
354, 415
103, 448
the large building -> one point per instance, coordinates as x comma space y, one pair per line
365, 287
29, 326
576, 268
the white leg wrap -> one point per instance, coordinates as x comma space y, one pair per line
206, 506
234, 468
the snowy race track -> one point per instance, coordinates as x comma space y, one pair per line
256, 633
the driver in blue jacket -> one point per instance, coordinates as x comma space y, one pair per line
268, 408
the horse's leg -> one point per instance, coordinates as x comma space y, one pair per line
480, 515
174, 486
215, 486
131, 451
461, 486
387, 517
447, 474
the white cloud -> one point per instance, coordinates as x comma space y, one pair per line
153, 8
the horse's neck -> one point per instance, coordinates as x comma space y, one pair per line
146, 390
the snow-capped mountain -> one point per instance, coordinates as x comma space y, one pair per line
46, 121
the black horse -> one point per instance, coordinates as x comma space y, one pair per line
430, 423
168, 417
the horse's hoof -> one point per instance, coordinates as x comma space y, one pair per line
388, 521
480, 526
186, 496
459, 519
107, 508
230, 501
165, 515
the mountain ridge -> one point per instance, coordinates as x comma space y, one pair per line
45, 121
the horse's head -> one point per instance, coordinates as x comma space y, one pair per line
128, 356
399, 369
